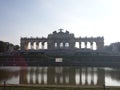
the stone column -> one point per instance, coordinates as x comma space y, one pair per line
22, 45
100, 45
86, 74
31, 76
72, 45
58, 45
23, 77
36, 75
80, 76
91, 45
64, 45
85, 44
79, 45
37, 45
101, 77
32, 45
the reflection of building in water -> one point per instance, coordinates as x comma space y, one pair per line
61, 40
62, 76
23, 77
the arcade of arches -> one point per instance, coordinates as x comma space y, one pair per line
62, 40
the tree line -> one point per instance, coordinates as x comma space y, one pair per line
8, 47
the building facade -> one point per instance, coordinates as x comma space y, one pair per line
61, 40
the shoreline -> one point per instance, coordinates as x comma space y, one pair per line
54, 87
38, 85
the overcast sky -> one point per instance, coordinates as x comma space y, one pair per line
26, 18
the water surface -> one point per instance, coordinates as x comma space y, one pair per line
60, 75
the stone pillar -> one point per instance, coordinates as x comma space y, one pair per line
23, 77
51, 44
101, 77
36, 75
100, 45
22, 45
72, 44
58, 45
32, 45
37, 45
31, 76
64, 45
80, 76
25, 46
86, 74
79, 45
91, 45
85, 44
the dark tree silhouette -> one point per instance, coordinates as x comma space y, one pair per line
6, 46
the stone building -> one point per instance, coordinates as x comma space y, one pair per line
61, 40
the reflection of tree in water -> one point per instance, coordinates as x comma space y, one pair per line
6, 74
114, 74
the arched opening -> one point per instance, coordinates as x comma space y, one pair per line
88, 45
29, 45
45, 45
94, 46
66, 44
82, 44
56, 45
77, 44
61, 45
40, 45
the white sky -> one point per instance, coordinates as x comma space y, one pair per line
26, 18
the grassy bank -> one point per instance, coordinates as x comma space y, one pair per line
38, 87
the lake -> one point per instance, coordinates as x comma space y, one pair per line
60, 75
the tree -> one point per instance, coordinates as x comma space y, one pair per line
1, 46
16, 47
